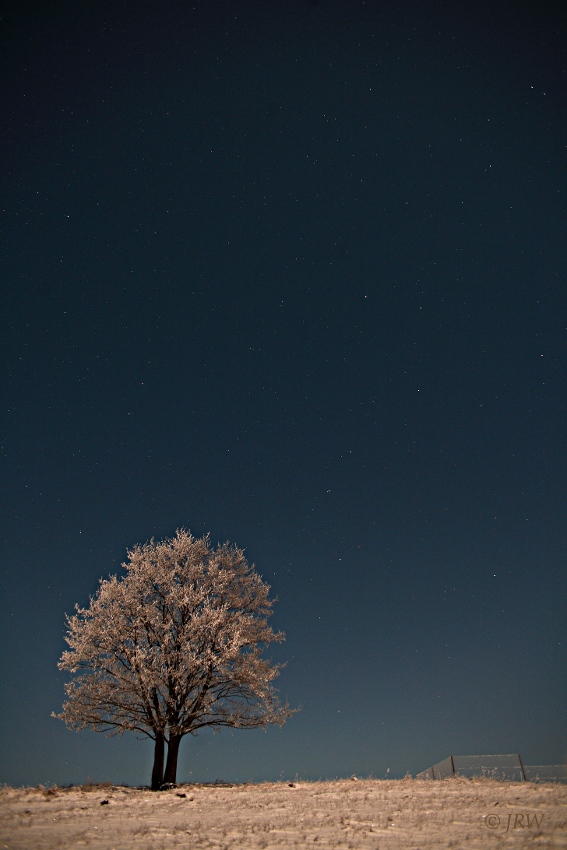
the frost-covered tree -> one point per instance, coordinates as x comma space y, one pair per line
173, 646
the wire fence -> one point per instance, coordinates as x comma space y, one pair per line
546, 772
508, 767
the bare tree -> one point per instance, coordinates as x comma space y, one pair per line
172, 647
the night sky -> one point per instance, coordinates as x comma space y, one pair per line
292, 273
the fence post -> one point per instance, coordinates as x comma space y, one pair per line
522, 768
452, 765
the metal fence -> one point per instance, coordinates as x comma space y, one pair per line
546, 772
504, 767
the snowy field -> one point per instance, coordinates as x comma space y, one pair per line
390, 815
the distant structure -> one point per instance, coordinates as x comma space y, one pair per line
507, 767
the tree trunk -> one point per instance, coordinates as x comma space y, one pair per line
157, 771
172, 753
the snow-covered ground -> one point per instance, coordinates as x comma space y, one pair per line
373, 814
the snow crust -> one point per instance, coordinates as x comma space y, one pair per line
390, 815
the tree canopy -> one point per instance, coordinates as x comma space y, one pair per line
174, 646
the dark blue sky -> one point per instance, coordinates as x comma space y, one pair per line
292, 273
